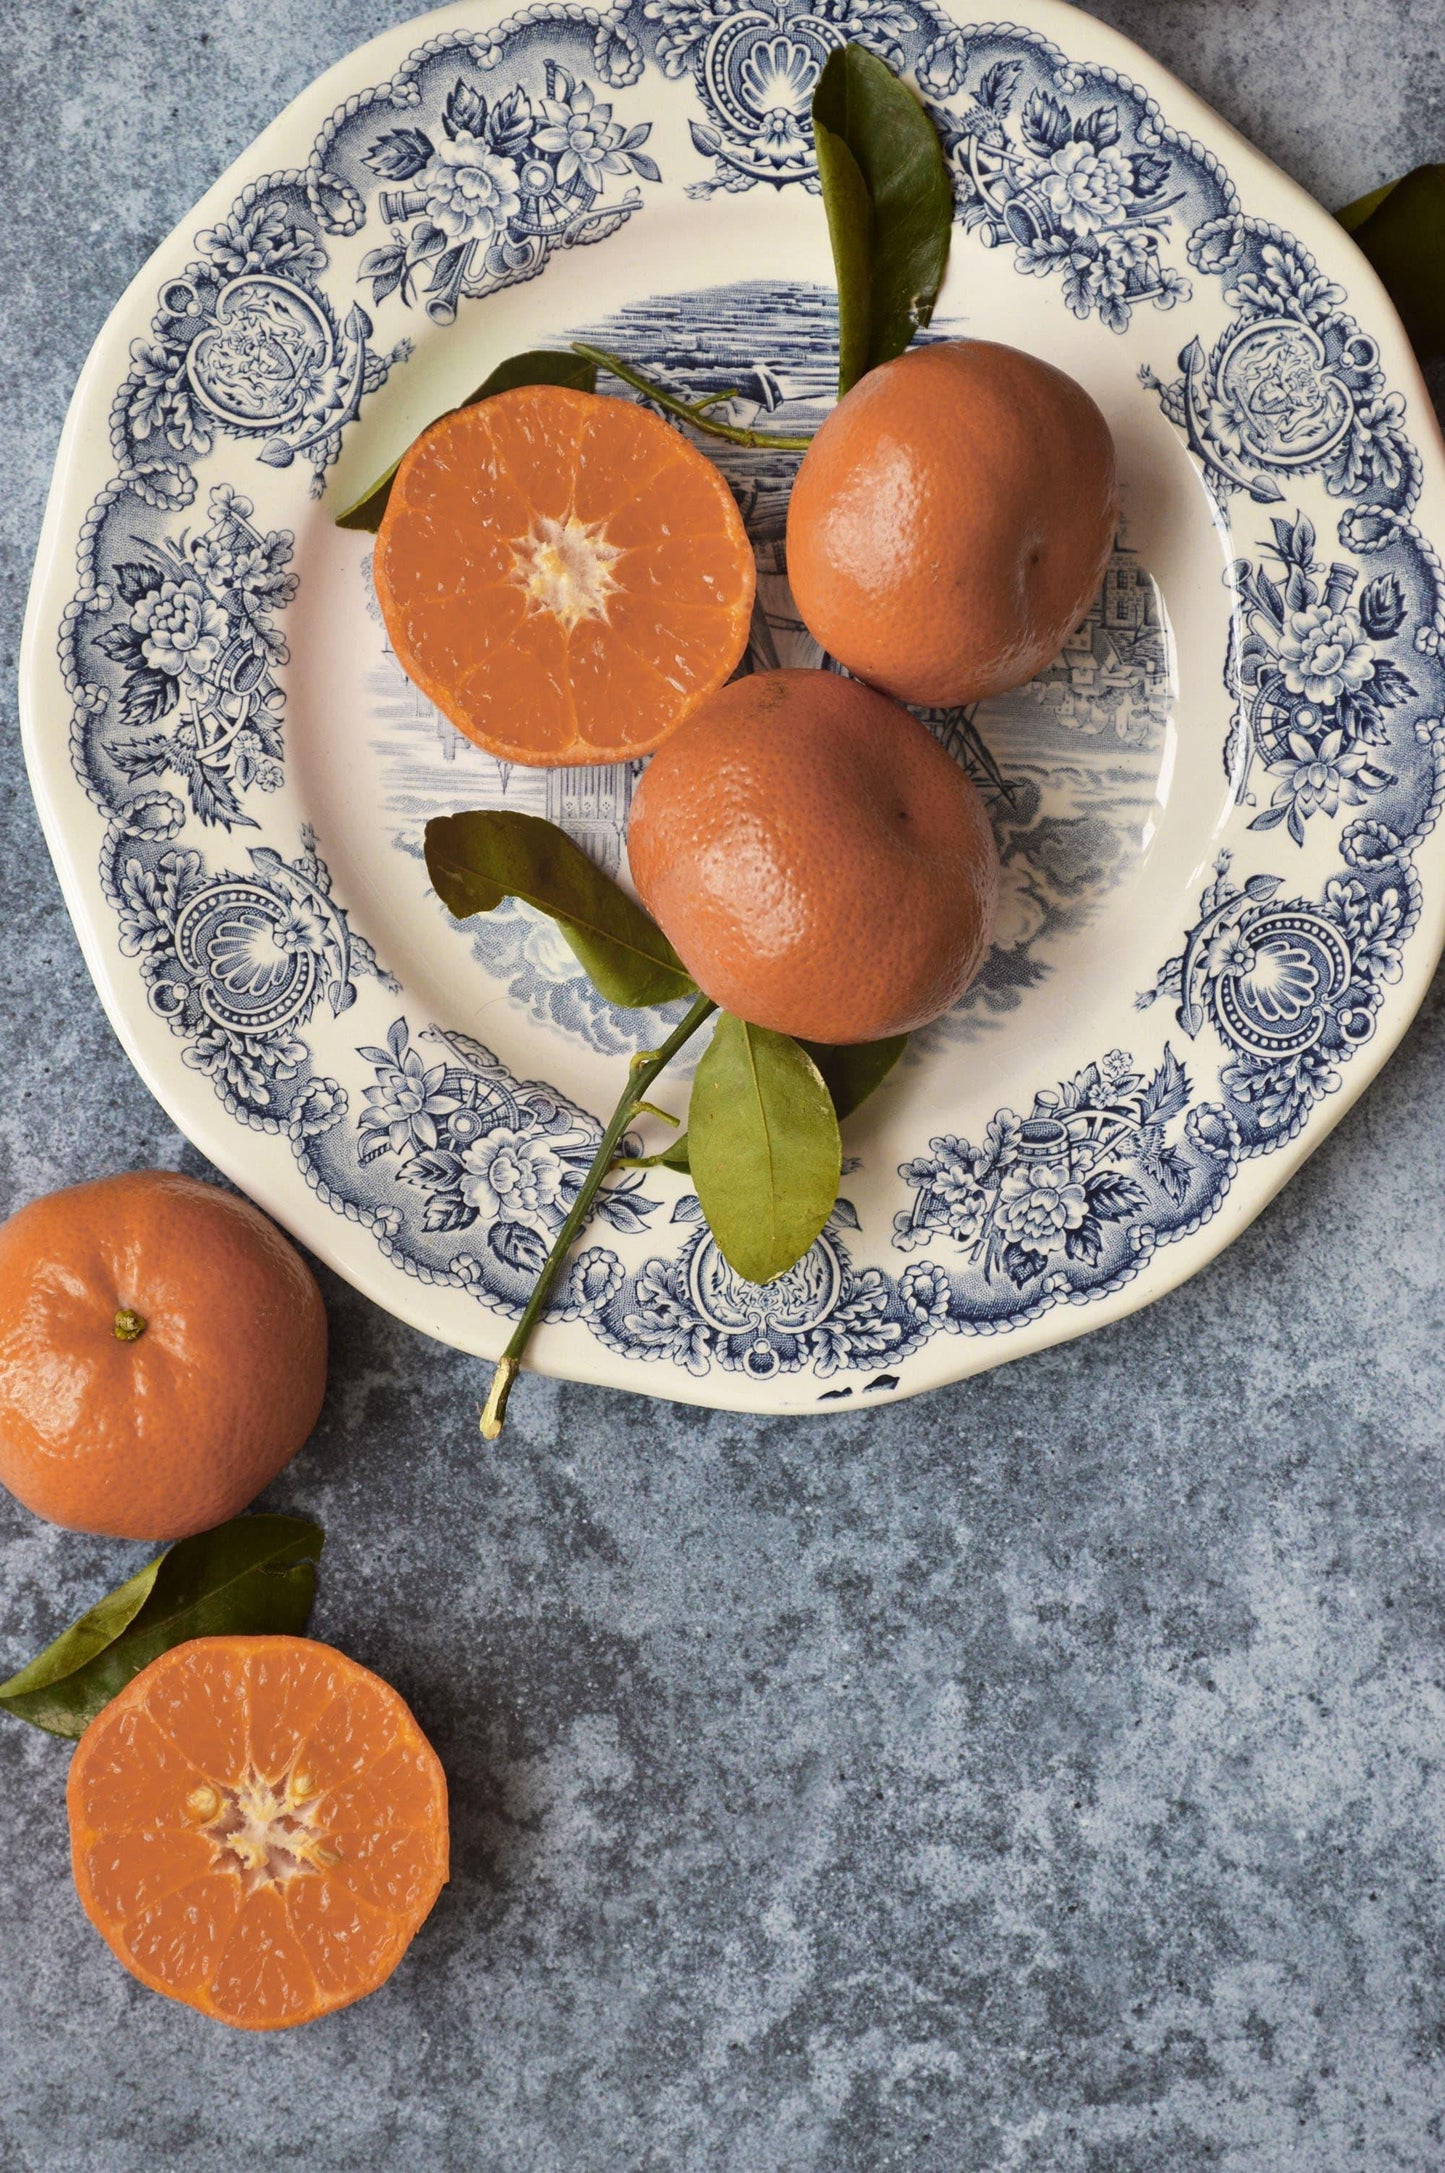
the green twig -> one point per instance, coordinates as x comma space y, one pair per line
651, 1109
690, 411
640, 1074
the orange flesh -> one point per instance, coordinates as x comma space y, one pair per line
563, 575
258, 1827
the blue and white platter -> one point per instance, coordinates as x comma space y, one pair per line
1216, 812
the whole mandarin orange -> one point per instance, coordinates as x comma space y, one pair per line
818, 862
162, 1355
951, 521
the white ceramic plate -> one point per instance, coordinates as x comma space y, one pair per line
1223, 887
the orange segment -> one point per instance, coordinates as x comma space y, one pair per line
354, 1732
523, 536
674, 642
536, 655
288, 1694
258, 1828
617, 455
684, 497
466, 625
386, 1870
138, 1775
341, 1939
263, 1967
599, 660
534, 444
396, 1791
205, 1711
179, 1939
129, 1871
687, 570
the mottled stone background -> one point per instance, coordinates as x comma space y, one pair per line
1041, 1777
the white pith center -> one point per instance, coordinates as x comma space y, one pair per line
265, 1834
565, 567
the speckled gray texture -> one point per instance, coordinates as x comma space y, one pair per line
1047, 1776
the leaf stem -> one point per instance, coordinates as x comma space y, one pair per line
641, 1072
689, 411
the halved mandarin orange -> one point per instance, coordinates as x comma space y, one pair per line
257, 1828
563, 575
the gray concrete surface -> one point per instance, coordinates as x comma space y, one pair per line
1042, 1777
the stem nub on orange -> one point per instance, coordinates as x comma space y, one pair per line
258, 1828
162, 1355
563, 575
951, 522
817, 861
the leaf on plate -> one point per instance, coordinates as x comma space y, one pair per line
889, 203
477, 859
764, 1148
254, 1576
1401, 229
539, 366
852, 1072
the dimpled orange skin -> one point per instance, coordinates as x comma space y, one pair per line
563, 575
818, 862
180, 1427
258, 1828
950, 523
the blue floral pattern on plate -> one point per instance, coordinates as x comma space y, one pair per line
487, 151
1056, 181
246, 344
198, 655
1314, 694
502, 184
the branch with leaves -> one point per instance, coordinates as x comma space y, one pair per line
762, 1144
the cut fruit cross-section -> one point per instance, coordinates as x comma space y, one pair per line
563, 575
258, 1827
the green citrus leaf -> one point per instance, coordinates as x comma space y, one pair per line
255, 1576
477, 859
764, 1148
1402, 231
889, 203
539, 366
850, 231
1355, 214
852, 1072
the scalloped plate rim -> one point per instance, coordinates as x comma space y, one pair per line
262, 1167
